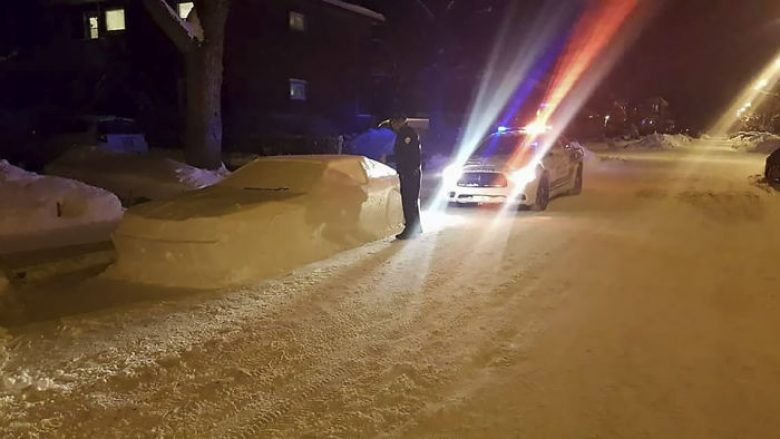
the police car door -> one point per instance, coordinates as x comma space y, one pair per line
557, 163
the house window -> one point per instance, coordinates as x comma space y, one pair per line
115, 19
297, 21
92, 24
184, 9
298, 89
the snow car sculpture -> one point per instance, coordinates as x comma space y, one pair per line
41, 211
267, 218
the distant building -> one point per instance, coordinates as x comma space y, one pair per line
653, 115
292, 67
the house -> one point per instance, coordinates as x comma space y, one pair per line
301, 67
292, 68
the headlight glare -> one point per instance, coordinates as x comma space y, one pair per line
452, 173
523, 176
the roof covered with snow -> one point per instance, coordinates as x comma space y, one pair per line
356, 9
337, 3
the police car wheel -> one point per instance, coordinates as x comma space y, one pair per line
577, 187
542, 194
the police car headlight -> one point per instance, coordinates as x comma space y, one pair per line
523, 176
452, 173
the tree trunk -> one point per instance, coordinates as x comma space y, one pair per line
203, 126
201, 41
203, 138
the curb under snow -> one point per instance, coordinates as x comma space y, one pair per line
40, 266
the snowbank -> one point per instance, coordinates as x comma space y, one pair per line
134, 177
269, 217
236, 160
25, 381
660, 141
757, 142
653, 141
39, 211
606, 145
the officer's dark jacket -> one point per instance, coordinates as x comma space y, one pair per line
773, 159
772, 170
407, 150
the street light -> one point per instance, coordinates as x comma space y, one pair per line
762, 84
751, 98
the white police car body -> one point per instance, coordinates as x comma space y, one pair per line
509, 167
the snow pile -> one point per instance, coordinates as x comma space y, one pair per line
607, 144
34, 207
754, 141
653, 142
134, 178
271, 216
5, 337
660, 141
24, 381
236, 160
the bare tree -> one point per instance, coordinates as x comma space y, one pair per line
200, 38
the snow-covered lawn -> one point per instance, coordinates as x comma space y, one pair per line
751, 141
661, 141
757, 142
38, 211
134, 178
651, 142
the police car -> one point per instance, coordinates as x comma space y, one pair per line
510, 166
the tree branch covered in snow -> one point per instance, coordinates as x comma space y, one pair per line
186, 35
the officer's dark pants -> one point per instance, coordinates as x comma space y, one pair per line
410, 198
772, 174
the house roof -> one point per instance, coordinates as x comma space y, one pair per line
356, 9
76, 2
337, 3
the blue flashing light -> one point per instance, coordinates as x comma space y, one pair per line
502, 129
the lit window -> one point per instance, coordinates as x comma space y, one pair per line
184, 9
297, 21
298, 89
93, 31
115, 19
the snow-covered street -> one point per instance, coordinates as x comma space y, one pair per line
646, 307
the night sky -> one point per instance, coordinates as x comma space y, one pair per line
697, 54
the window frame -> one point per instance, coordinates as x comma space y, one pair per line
179, 5
88, 29
292, 22
124, 19
292, 83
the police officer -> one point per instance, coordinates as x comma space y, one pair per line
772, 171
409, 167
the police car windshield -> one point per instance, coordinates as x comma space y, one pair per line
500, 145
